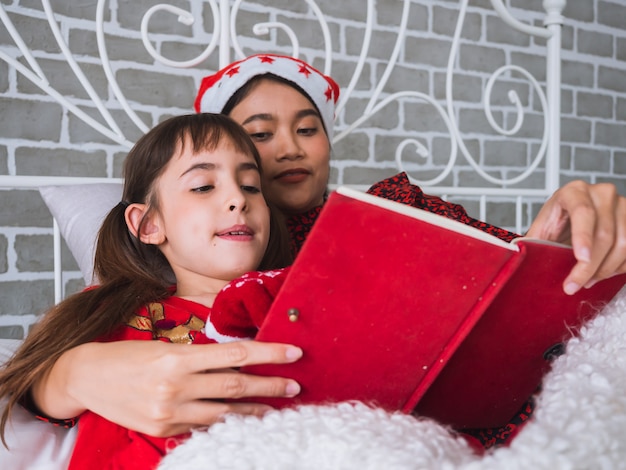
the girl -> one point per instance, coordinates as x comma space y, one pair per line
290, 119
192, 219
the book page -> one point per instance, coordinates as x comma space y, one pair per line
426, 216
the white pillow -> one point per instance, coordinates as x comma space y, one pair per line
79, 210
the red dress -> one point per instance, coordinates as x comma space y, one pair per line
104, 445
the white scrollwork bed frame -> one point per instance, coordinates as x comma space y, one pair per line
580, 419
225, 43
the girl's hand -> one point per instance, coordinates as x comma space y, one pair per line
592, 218
162, 389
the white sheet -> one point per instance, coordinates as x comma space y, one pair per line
33, 444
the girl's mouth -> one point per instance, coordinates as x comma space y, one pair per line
236, 232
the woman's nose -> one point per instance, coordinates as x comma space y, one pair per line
288, 148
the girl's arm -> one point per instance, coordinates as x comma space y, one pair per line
158, 388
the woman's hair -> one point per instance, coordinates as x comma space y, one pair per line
130, 272
251, 84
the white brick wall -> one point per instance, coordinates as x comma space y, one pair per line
37, 136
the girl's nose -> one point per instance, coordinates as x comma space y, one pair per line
236, 201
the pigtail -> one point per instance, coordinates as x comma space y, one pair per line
131, 274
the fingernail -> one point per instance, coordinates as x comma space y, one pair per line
292, 389
571, 288
293, 353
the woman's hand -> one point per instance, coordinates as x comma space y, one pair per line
592, 218
162, 389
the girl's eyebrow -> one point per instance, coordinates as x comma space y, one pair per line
248, 166
207, 166
268, 117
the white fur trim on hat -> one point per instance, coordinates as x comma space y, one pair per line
216, 90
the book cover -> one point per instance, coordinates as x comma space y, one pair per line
408, 310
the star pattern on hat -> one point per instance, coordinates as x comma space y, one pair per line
266, 59
328, 93
233, 71
304, 70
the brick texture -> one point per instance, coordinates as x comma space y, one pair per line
40, 136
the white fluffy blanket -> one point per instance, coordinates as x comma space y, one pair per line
579, 423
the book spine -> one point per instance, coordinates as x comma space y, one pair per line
466, 326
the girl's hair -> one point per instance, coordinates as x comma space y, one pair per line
130, 272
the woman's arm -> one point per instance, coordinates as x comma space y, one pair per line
592, 218
158, 388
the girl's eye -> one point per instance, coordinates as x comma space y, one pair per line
203, 189
251, 189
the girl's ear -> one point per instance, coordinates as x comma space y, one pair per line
151, 229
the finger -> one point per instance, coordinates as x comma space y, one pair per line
233, 384
615, 260
206, 357
594, 221
191, 415
207, 413
198, 410
553, 221
207, 384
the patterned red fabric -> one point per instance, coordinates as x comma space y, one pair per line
299, 226
398, 188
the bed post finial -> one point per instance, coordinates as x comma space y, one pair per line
554, 10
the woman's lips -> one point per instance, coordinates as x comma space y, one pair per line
296, 175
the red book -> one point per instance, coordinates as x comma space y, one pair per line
408, 310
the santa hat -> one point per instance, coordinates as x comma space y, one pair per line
216, 90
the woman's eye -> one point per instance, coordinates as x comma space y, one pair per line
306, 131
251, 189
203, 189
260, 136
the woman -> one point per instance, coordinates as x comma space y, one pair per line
293, 139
